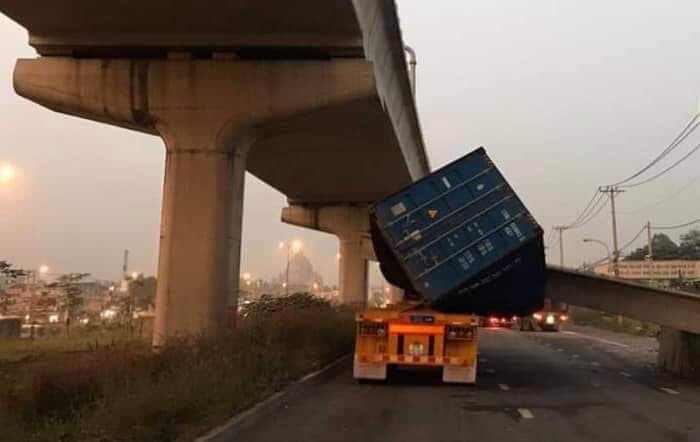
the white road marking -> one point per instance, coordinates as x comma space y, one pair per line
525, 413
560, 349
625, 374
669, 390
490, 371
595, 364
504, 387
483, 360
596, 339
575, 356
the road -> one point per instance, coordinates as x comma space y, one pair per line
583, 385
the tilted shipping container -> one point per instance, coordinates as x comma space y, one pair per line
462, 240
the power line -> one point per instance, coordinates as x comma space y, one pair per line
633, 239
672, 166
670, 197
678, 226
594, 212
687, 130
585, 210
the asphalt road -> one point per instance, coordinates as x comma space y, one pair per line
580, 385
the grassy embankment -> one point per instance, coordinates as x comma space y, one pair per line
112, 388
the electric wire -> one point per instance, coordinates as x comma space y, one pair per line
583, 213
677, 226
672, 166
670, 197
685, 133
601, 203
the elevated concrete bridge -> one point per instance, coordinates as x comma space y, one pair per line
311, 96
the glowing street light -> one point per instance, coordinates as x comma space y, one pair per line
134, 275
44, 269
7, 173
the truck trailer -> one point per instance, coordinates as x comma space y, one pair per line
461, 244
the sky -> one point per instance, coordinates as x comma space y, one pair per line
565, 96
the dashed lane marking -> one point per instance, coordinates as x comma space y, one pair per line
669, 390
490, 371
525, 413
560, 349
595, 364
575, 356
625, 374
504, 387
606, 341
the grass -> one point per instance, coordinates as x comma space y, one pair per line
124, 392
16, 350
619, 324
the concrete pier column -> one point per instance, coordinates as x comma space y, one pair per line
200, 240
679, 352
353, 270
350, 223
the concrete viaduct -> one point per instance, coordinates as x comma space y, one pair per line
311, 96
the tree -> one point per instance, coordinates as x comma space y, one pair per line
71, 298
144, 292
662, 246
11, 274
689, 247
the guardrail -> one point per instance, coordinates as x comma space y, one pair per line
669, 308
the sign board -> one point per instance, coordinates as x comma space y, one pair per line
653, 270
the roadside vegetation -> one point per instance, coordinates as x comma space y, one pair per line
615, 323
119, 390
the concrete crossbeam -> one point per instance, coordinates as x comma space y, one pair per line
677, 310
677, 313
350, 223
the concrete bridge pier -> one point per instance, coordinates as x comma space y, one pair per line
679, 352
210, 113
350, 223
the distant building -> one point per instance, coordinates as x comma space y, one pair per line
302, 277
671, 270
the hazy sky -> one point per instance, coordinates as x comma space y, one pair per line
565, 95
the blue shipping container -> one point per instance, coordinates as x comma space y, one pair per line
463, 240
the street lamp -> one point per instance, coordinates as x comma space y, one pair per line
7, 173
607, 249
292, 248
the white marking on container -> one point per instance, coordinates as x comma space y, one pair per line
525, 413
625, 374
669, 390
504, 387
398, 209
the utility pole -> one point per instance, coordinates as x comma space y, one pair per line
561, 229
650, 239
612, 191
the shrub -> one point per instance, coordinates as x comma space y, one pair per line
124, 392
